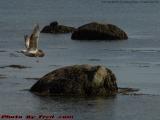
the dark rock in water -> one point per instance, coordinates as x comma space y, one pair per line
15, 66
55, 28
97, 31
3, 51
32, 78
82, 80
127, 90
2, 76
130, 92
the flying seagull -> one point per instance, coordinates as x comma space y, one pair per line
31, 44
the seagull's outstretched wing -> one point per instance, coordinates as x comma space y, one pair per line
33, 42
27, 39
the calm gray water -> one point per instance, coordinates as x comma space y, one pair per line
135, 62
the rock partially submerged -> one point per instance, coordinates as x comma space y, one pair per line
82, 80
55, 28
98, 31
3, 51
15, 66
127, 91
2, 76
32, 78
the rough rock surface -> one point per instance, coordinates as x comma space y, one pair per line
55, 28
82, 80
97, 31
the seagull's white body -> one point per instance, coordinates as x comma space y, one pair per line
31, 44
